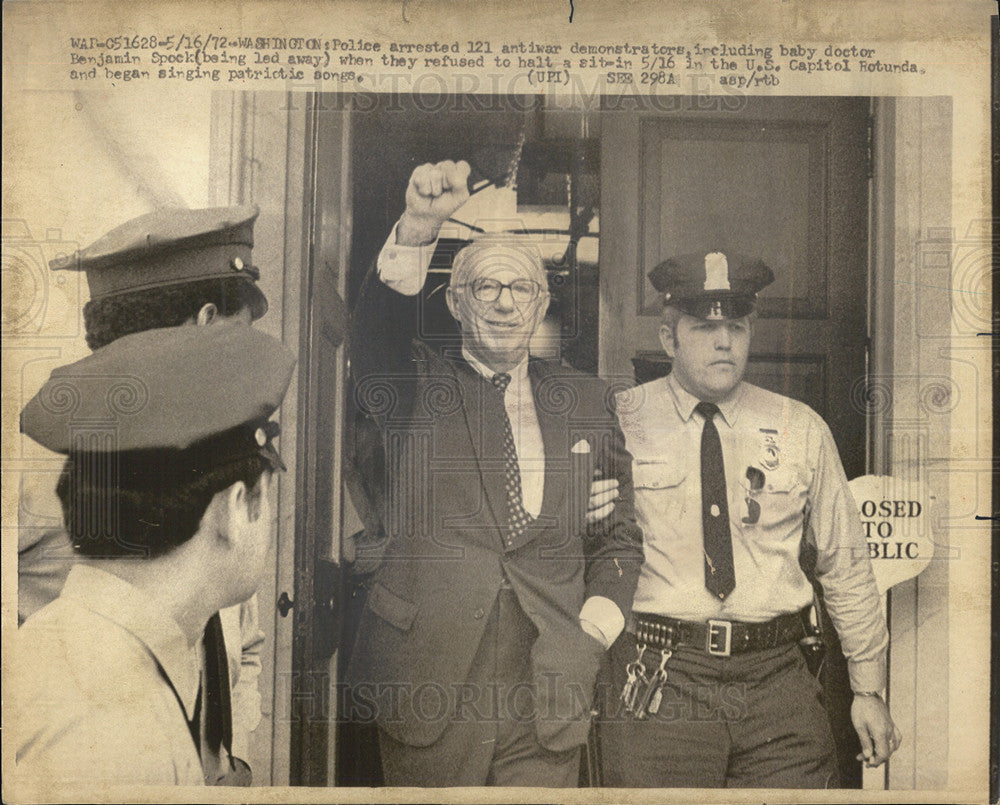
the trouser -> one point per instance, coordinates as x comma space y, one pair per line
490, 738
746, 721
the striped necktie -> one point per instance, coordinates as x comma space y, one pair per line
518, 518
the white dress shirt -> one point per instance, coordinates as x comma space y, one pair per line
45, 556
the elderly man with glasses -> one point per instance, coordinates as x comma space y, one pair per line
494, 600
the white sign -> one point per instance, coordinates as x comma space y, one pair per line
896, 520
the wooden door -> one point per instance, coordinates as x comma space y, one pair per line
783, 179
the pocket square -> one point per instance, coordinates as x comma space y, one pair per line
582, 446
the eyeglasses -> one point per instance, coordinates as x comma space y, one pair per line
522, 291
756, 479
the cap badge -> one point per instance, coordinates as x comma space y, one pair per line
716, 272
715, 312
260, 437
237, 264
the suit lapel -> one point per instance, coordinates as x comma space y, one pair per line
553, 426
483, 419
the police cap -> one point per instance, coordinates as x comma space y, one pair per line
171, 246
711, 286
200, 396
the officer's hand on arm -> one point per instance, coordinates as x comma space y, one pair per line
432, 196
603, 494
878, 734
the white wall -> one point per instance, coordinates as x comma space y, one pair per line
75, 165
931, 431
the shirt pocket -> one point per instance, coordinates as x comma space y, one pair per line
771, 508
660, 489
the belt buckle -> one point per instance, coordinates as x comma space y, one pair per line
719, 632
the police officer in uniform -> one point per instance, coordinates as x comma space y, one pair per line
708, 684
168, 268
166, 497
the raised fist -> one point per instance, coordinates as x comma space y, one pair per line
432, 196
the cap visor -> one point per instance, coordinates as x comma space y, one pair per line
717, 308
255, 299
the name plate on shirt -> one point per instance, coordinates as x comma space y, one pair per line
896, 519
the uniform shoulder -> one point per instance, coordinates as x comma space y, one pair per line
770, 410
45, 644
761, 399
644, 389
58, 642
643, 400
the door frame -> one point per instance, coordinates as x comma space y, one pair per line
326, 242
257, 156
912, 367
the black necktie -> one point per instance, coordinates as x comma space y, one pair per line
194, 723
218, 705
720, 577
517, 517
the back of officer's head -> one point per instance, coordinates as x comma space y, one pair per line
155, 505
108, 319
154, 426
161, 269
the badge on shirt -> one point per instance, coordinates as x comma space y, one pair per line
770, 452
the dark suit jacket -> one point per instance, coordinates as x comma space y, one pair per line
445, 522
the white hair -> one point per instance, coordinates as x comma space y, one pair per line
503, 247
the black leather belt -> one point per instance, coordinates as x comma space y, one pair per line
718, 637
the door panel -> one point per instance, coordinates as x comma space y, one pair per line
754, 188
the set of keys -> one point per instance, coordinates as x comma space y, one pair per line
642, 694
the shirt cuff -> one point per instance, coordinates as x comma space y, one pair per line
604, 616
241, 746
404, 268
867, 675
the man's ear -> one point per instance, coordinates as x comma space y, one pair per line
543, 303
452, 300
237, 513
667, 340
208, 314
